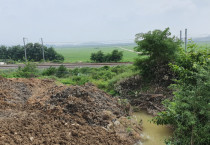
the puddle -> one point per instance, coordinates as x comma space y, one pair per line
152, 134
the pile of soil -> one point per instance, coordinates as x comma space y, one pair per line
143, 96
34, 111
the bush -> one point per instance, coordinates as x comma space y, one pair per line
189, 112
62, 71
160, 49
49, 71
98, 57
28, 71
115, 56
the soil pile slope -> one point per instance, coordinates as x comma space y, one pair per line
36, 111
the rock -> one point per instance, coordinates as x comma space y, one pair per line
31, 138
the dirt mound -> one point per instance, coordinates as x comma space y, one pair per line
36, 111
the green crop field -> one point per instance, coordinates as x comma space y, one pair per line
82, 54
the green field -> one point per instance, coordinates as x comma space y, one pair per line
82, 54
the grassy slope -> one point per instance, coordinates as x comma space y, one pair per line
82, 54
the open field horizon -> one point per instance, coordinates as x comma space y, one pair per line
82, 54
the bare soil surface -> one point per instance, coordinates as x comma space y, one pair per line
34, 111
141, 97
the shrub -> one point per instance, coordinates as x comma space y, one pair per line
62, 71
49, 71
160, 49
115, 56
189, 112
29, 70
80, 80
98, 57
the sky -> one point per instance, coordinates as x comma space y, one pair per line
78, 21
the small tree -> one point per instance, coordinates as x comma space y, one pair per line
3, 52
115, 56
62, 71
97, 57
160, 49
189, 112
28, 71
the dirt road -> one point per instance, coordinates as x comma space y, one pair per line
129, 50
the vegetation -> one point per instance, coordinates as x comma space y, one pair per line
115, 56
28, 71
34, 53
165, 62
160, 49
189, 112
83, 54
104, 78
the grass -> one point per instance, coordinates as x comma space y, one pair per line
82, 54
104, 77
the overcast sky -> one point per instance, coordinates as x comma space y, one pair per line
99, 20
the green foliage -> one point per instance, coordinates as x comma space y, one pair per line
62, 71
189, 111
28, 71
49, 71
3, 52
160, 49
34, 53
115, 56
104, 77
83, 54
186, 66
98, 57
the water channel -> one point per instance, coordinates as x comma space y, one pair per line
152, 134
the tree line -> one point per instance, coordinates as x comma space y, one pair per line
34, 53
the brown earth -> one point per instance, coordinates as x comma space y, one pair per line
34, 111
148, 97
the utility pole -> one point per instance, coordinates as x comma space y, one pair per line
43, 49
185, 40
24, 43
180, 35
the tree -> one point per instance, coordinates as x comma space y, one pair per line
115, 56
189, 112
16, 53
34, 51
159, 49
3, 52
97, 57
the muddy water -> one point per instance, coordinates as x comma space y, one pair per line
152, 134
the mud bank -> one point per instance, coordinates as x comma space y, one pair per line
143, 96
36, 111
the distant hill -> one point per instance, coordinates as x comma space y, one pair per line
92, 44
202, 39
